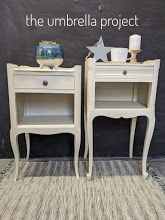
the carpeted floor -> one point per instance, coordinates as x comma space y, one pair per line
50, 191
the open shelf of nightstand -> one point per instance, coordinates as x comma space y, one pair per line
121, 95
45, 109
118, 105
47, 120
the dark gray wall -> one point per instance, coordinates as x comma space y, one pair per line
17, 45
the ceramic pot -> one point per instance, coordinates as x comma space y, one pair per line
51, 56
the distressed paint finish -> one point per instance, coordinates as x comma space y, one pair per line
109, 94
17, 45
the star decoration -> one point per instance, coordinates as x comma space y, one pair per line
100, 52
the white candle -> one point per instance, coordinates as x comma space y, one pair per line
135, 42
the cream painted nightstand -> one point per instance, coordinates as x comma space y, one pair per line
120, 91
44, 101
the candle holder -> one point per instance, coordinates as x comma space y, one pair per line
134, 56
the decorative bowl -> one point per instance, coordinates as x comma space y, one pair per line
50, 56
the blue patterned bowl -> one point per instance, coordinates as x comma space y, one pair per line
51, 56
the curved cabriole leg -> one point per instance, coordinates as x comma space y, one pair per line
27, 138
86, 138
15, 147
41, 66
77, 141
147, 141
132, 134
90, 142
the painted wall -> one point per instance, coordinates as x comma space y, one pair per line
17, 45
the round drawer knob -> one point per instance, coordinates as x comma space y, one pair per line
45, 83
125, 72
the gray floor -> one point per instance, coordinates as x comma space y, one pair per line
159, 167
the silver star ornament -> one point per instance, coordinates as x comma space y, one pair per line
100, 52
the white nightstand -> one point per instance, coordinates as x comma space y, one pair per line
44, 101
120, 91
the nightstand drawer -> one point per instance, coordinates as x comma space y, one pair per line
125, 73
57, 82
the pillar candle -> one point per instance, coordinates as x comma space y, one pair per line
134, 42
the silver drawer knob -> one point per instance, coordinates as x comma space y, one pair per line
125, 72
45, 83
